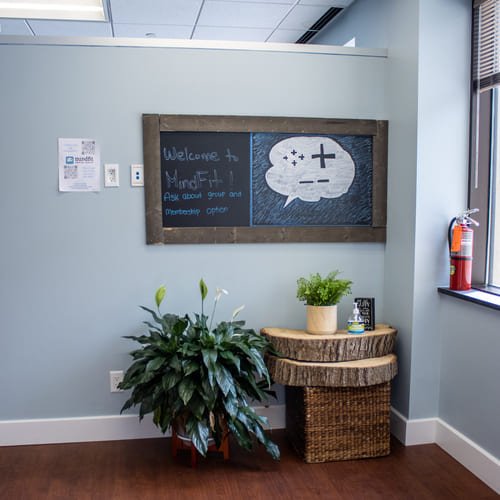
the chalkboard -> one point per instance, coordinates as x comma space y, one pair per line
311, 180
246, 179
205, 179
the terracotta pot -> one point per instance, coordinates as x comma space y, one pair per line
321, 320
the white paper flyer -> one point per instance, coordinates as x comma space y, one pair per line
79, 165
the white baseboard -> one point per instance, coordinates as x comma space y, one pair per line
75, 430
434, 430
481, 463
412, 432
104, 428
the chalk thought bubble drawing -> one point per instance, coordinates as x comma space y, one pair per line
310, 168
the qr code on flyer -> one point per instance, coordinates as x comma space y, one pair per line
88, 147
70, 172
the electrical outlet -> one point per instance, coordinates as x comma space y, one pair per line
111, 175
115, 377
136, 175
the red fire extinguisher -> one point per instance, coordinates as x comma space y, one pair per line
460, 240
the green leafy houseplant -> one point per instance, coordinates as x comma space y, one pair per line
318, 291
198, 378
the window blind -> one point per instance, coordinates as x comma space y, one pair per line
486, 52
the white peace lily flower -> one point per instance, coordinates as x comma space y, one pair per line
237, 311
219, 292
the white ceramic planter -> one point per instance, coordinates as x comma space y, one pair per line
321, 320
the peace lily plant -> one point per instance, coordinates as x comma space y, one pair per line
198, 377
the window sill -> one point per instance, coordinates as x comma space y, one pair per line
483, 297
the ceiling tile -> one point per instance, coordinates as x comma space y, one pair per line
303, 17
14, 27
242, 15
70, 28
328, 3
286, 2
179, 12
233, 34
285, 36
161, 30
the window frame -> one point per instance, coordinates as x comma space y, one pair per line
483, 123
480, 182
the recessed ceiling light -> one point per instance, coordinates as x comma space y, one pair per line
82, 10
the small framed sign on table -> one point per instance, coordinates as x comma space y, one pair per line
366, 306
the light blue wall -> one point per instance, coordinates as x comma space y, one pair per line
447, 348
75, 266
368, 21
469, 391
402, 95
442, 162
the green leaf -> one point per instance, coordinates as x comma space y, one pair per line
198, 431
170, 380
154, 364
229, 356
249, 418
168, 322
147, 377
146, 407
231, 406
190, 367
186, 388
143, 339
272, 449
203, 289
128, 404
197, 406
207, 393
240, 433
224, 379
179, 326
134, 371
160, 295
209, 357
256, 358
153, 313
318, 291
175, 363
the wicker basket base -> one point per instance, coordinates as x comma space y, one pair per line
338, 423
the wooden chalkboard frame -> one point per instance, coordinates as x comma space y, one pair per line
154, 124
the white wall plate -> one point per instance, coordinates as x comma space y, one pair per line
111, 175
136, 175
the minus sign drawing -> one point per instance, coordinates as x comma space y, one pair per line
323, 180
306, 182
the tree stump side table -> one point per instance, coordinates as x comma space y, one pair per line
337, 391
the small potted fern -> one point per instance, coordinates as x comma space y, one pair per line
198, 376
321, 296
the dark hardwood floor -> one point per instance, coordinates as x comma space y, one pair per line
143, 469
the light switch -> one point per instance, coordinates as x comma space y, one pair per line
136, 175
111, 175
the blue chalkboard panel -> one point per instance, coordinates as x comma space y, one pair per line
311, 180
223, 179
